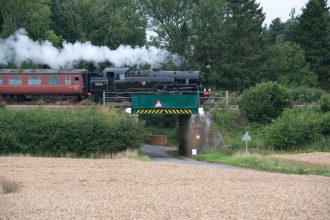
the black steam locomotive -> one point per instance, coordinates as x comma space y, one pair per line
79, 83
126, 81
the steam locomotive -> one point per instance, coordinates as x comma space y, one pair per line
77, 84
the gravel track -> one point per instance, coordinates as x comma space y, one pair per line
61, 188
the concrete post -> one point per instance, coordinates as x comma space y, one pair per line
227, 99
135, 118
103, 98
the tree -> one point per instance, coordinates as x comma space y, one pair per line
275, 32
103, 22
207, 34
118, 22
287, 65
242, 46
171, 20
67, 20
291, 27
313, 36
33, 15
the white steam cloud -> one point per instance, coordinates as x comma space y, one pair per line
19, 48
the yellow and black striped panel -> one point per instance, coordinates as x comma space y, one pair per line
164, 111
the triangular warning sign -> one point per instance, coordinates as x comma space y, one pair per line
158, 105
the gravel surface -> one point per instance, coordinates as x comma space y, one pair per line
317, 158
61, 188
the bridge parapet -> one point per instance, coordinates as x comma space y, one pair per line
165, 104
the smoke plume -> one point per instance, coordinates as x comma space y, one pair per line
19, 48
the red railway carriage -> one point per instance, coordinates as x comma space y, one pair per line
16, 82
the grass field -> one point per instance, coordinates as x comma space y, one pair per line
318, 164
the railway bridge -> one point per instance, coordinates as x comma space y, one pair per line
195, 130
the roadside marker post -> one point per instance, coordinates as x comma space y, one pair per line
246, 138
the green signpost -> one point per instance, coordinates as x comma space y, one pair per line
165, 104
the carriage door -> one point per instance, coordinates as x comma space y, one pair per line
111, 79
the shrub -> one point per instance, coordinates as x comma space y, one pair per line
226, 120
8, 140
2, 104
56, 132
325, 124
325, 102
159, 120
264, 102
305, 94
294, 128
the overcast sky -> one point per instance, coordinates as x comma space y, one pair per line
281, 8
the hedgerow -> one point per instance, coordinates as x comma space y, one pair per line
296, 129
61, 132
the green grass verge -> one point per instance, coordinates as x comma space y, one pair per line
264, 163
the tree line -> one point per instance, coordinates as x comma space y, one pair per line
225, 39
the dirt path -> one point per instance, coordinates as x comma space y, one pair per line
60, 188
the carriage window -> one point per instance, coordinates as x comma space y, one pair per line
76, 80
34, 80
54, 80
1, 82
67, 80
15, 80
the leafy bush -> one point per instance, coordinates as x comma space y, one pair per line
160, 120
325, 102
227, 120
8, 140
264, 102
56, 132
305, 94
2, 104
295, 128
325, 124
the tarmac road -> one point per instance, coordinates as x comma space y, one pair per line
160, 154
